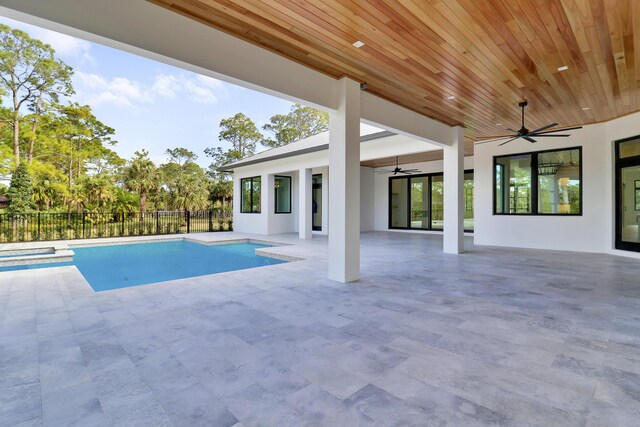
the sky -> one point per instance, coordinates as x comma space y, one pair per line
152, 105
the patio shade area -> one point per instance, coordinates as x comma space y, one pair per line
491, 337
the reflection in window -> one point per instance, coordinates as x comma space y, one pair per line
282, 186
420, 202
559, 182
513, 184
547, 182
437, 202
250, 195
468, 201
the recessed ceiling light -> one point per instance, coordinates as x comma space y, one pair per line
358, 44
585, 108
450, 97
563, 68
498, 124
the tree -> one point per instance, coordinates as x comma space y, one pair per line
99, 190
142, 177
243, 135
125, 201
185, 180
20, 191
221, 190
80, 137
181, 156
31, 76
301, 122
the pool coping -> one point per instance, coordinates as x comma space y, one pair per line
64, 252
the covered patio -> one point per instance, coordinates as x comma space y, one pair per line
491, 337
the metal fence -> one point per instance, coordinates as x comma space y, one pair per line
41, 226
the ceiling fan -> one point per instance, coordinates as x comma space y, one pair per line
398, 170
527, 134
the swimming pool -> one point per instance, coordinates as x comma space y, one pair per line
122, 266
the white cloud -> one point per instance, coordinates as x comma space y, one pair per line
120, 91
202, 94
95, 89
165, 85
64, 45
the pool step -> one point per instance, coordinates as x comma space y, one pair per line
26, 256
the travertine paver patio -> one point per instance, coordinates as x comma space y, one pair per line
491, 337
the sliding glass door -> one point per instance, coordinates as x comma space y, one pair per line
628, 194
417, 202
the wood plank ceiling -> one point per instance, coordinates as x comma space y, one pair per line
488, 54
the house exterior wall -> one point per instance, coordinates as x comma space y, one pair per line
593, 231
268, 222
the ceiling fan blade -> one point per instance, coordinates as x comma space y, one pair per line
544, 128
495, 137
560, 130
531, 140
405, 172
547, 136
512, 130
383, 171
500, 145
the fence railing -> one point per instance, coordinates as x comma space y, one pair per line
41, 226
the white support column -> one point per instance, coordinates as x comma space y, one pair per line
237, 196
453, 242
305, 211
344, 190
268, 198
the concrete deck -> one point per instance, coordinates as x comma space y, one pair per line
491, 337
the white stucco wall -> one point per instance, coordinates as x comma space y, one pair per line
591, 232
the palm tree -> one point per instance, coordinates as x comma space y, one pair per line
43, 194
142, 177
189, 188
125, 201
99, 190
76, 198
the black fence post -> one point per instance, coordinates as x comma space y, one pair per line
157, 222
210, 220
188, 222
83, 215
38, 225
122, 223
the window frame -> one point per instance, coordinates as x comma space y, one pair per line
252, 179
275, 207
408, 177
535, 183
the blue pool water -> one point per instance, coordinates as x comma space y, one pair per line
122, 266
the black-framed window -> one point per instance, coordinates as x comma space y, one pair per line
416, 202
545, 182
250, 194
627, 194
468, 201
282, 185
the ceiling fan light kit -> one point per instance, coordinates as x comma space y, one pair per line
528, 135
